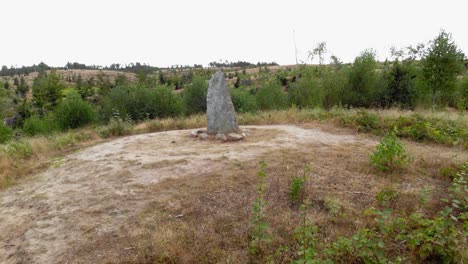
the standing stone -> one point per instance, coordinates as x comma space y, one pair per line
220, 112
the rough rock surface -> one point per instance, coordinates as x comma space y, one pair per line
234, 136
220, 112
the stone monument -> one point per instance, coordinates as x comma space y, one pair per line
220, 113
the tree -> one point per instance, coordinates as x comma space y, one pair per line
3, 104
23, 87
401, 85
46, 91
441, 65
195, 96
319, 50
362, 80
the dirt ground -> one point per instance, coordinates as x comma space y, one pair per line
96, 192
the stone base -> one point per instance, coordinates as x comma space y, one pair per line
202, 134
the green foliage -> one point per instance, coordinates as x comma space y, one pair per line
141, 103
63, 140
458, 192
117, 127
400, 86
366, 122
70, 93
424, 196
74, 113
441, 65
431, 129
47, 91
271, 96
166, 102
243, 101
390, 154
305, 235
386, 196
432, 239
366, 246
6, 133
296, 187
363, 80
23, 87
4, 103
195, 96
259, 225
39, 126
334, 85
461, 95
17, 149
306, 92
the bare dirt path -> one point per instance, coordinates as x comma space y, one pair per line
94, 191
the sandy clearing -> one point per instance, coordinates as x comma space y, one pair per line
94, 191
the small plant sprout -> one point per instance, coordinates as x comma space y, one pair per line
296, 187
259, 225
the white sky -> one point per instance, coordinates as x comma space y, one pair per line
164, 33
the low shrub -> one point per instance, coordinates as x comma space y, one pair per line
243, 101
390, 154
116, 127
74, 113
6, 133
271, 97
194, 96
366, 122
39, 126
17, 149
297, 186
64, 140
166, 103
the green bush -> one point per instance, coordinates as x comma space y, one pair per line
432, 239
366, 246
297, 186
307, 92
140, 103
17, 149
461, 95
431, 129
74, 113
243, 101
363, 80
195, 96
116, 127
6, 133
166, 103
390, 154
400, 86
61, 141
39, 126
366, 122
271, 96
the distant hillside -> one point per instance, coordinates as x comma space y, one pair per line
70, 76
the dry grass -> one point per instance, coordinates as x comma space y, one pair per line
45, 148
206, 218
37, 153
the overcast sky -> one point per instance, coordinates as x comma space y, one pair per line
164, 33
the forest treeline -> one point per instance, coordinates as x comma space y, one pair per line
426, 76
131, 67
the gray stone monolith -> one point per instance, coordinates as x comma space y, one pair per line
220, 112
